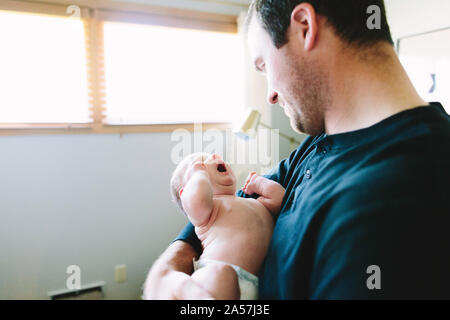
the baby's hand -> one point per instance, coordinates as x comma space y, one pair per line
270, 192
248, 187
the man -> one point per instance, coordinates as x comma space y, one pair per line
366, 212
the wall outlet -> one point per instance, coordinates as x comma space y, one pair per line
120, 273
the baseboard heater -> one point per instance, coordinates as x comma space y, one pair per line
93, 291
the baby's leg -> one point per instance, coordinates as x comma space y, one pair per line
219, 279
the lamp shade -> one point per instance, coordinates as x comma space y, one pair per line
249, 124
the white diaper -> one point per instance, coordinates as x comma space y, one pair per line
248, 283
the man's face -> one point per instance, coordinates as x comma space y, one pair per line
295, 81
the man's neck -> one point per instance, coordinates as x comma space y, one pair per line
368, 90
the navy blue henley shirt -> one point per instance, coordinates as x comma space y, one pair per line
379, 197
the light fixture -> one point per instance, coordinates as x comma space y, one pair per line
248, 127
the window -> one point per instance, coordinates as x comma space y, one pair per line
43, 75
108, 69
158, 74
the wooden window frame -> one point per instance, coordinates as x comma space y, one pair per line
93, 15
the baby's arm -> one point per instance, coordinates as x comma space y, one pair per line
271, 193
197, 198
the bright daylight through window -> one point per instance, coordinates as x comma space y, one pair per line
153, 74
43, 75
167, 75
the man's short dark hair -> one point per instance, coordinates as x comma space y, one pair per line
347, 17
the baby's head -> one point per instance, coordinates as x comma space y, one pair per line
221, 177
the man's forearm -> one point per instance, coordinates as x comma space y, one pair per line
178, 257
169, 272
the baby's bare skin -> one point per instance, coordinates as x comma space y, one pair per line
232, 229
238, 232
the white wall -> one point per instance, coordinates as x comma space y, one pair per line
408, 17
90, 200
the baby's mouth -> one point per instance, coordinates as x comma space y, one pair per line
221, 167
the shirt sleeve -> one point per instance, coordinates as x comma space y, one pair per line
188, 235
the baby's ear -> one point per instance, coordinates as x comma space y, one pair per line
180, 192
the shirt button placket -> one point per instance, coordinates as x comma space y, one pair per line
308, 174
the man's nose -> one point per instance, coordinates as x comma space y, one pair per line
272, 97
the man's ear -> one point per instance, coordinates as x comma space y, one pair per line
304, 23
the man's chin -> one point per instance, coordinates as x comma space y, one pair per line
306, 128
297, 126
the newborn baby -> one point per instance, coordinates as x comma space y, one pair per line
235, 232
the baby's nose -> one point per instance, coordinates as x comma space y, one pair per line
199, 165
214, 157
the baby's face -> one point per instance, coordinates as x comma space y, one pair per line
219, 172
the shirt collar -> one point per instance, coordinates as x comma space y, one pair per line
387, 126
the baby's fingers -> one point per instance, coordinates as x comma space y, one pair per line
247, 180
251, 177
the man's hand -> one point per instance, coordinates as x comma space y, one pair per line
169, 277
